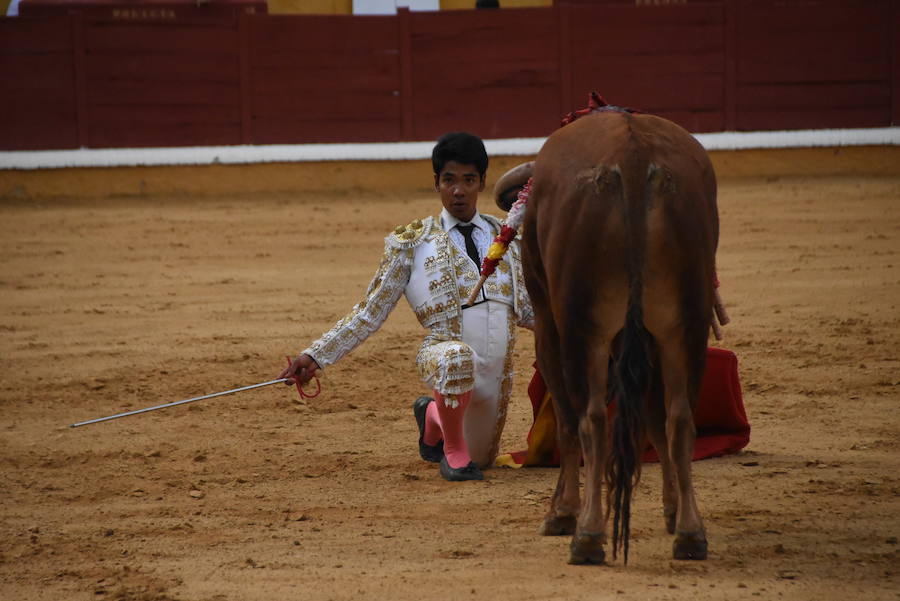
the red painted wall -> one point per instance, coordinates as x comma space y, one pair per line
895, 62
96, 79
324, 79
171, 84
495, 73
667, 60
37, 84
825, 65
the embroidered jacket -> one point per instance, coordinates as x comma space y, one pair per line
421, 261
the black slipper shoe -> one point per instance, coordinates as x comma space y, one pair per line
432, 453
459, 474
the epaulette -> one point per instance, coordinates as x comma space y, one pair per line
408, 236
497, 223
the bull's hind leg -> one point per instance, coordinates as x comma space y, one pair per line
656, 432
690, 537
563, 513
590, 536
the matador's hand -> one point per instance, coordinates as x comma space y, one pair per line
301, 370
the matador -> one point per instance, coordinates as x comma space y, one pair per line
466, 357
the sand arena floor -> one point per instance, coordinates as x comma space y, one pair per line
119, 303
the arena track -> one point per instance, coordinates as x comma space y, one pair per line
114, 302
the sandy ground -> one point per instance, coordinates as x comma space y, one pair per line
116, 304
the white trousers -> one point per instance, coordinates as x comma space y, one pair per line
485, 329
477, 363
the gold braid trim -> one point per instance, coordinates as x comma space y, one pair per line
505, 387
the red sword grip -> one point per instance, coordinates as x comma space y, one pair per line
300, 391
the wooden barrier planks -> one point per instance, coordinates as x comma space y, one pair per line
162, 84
667, 60
37, 84
813, 64
325, 79
895, 62
494, 73
145, 10
188, 75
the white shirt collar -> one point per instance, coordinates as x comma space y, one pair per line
449, 222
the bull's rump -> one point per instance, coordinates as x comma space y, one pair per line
614, 190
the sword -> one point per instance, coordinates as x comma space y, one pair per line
198, 398
303, 394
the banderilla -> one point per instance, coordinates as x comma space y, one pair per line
303, 394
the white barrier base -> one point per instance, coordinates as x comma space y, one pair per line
403, 151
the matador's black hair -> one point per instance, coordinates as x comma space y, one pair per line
461, 147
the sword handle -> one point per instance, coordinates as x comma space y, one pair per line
300, 391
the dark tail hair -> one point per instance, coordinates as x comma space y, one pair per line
632, 371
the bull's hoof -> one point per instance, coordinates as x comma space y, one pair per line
689, 545
587, 549
558, 525
669, 515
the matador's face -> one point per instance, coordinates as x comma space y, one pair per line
459, 185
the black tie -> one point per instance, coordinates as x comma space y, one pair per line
471, 249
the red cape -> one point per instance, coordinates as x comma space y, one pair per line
721, 421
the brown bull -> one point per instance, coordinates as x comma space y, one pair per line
619, 250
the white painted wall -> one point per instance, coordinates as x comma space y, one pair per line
406, 151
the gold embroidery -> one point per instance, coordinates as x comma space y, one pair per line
458, 258
366, 316
397, 275
442, 285
404, 235
447, 366
425, 312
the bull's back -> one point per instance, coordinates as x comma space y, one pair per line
630, 144
614, 188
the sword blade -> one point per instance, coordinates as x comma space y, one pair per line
198, 398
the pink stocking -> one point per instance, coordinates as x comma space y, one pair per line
450, 422
433, 433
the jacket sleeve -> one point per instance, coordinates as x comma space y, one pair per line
526, 313
370, 313
524, 310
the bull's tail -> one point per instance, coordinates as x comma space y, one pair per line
632, 368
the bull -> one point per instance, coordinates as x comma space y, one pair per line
619, 245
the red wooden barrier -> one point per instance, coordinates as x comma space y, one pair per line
494, 73
189, 75
667, 60
813, 64
155, 73
324, 79
895, 61
37, 84
144, 10
162, 84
